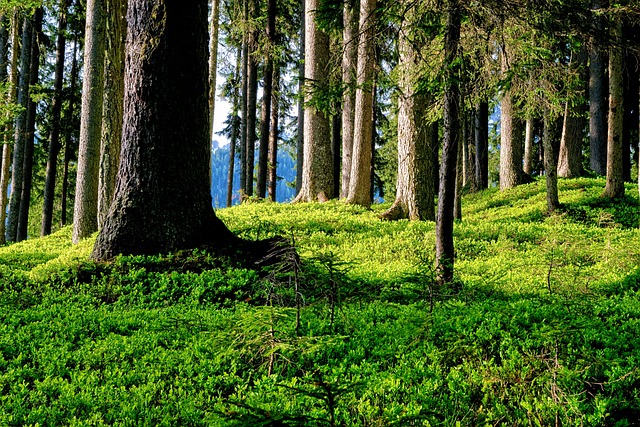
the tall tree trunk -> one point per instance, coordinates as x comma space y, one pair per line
85, 215
54, 137
598, 94
630, 121
213, 63
457, 206
110, 142
17, 169
360, 179
574, 124
301, 97
446, 195
252, 95
615, 179
165, 136
267, 88
274, 134
68, 150
482, 144
245, 86
317, 176
34, 69
336, 143
235, 127
349, 69
469, 159
510, 139
12, 98
414, 187
550, 160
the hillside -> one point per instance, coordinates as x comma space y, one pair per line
541, 328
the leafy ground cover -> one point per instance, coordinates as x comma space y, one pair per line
541, 328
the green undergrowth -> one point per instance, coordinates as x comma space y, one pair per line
541, 328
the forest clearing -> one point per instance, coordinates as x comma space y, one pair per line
540, 327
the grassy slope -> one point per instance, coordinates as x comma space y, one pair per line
545, 327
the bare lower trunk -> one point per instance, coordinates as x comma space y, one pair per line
511, 143
67, 146
274, 135
529, 135
482, 145
301, 114
598, 97
550, 162
349, 69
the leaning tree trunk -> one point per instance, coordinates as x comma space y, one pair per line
17, 169
112, 105
12, 97
317, 174
446, 195
349, 68
615, 179
54, 138
165, 136
85, 215
414, 188
361, 161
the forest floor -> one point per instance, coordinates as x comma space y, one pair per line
542, 326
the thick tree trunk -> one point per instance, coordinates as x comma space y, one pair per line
301, 97
54, 137
165, 136
615, 179
34, 69
336, 142
349, 69
68, 151
511, 143
482, 144
446, 194
550, 161
598, 95
360, 178
574, 125
274, 135
110, 141
414, 187
85, 215
20, 136
317, 177
12, 97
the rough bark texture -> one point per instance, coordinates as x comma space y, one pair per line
274, 135
162, 201
12, 97
85, 214
317, 176
20, 134
550, 134
213, 63
110, 141
34, 69
252, 97
511, 144
301, 114
243, 103
361, 161
574, 125
414, 187
54, 136
446, 194
235, 128
469, 158
598, 97
457, 206
615, 179
349, 68
482, 144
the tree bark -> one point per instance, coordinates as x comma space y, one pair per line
446, 195
244, 127
615, 179
349, 69
54, 137
34, 69
598, 95
317, 176
235, 127
85, 215
20, 134
529, 137
630, 103
12, 97
301, 97
574, 124
165, 136
550, 162
252, 96
274, 135
360, 178
510, 139
213, 63
414, 188
68, 151
482, 144
110, 142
